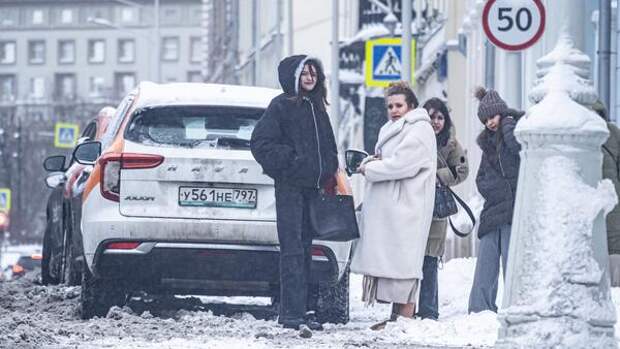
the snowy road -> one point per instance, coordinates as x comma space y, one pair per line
34, 316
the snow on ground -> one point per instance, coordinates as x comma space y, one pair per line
35, 316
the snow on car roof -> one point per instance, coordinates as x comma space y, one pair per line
191, 93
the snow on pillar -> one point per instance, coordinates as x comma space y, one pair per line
557, 292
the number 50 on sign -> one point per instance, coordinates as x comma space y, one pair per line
513, 25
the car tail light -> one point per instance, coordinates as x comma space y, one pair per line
36, 257
17, 269
318, 251
125, 245
113, 163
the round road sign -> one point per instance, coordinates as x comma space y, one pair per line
513, 24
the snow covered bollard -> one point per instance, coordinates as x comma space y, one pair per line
557, 292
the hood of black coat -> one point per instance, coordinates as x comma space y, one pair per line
289, 71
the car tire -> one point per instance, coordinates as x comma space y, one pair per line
332, 304
46, 276
70, 270
98, 296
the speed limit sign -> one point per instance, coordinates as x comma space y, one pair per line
513, 24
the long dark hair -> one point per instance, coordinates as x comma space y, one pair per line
438, 105
318, 95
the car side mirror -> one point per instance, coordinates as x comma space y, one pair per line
87, 153
54, 179
353, 158
55, 163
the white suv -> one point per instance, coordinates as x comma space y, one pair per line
176, 204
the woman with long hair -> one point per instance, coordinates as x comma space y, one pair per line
295, 145
452, 169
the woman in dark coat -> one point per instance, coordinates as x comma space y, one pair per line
295, 145
497, 183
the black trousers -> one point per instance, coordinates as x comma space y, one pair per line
295, 236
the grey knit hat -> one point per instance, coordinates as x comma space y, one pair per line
490, 104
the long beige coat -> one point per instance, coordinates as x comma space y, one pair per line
399, 200
451, 155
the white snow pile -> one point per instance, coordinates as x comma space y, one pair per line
558, 284
35, 316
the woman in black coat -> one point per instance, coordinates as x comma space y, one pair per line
295, 145
497, 183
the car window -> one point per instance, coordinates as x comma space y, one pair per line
90, 131
117, 120
194, 126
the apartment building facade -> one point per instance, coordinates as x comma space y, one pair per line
89, 50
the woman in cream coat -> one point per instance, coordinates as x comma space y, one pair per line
398, 205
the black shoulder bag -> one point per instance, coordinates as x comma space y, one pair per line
333, 217
445, 204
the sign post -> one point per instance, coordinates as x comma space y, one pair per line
65, 135
513, 25
384, 61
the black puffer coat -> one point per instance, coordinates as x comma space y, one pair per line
294, 141
498, 173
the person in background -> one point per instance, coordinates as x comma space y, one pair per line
295, 145
497, 183
452, 169
611, 171
398, 205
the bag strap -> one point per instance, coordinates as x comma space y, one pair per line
469, 213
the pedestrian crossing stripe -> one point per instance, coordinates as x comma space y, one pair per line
384, 61
5, 199
65, 135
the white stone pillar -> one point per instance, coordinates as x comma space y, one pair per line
557, 291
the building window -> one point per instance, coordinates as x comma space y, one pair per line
64, 86
7, 52
170, 49
37, 17
36, 52
66, 16
195, 54
66, 51
126, 50
8, 87
37, 88
96, 86
128, 14
96, 51
194, 76
124, 83
9, 17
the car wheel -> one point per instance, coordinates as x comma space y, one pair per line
98, 296
332, 303
46, 276
70, 270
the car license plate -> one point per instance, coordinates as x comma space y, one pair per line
217, 197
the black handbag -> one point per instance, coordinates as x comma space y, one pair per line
333, 217
445, 205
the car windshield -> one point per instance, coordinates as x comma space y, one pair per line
194, 126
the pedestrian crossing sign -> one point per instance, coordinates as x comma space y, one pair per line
5, 199
65, 135
384, 61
